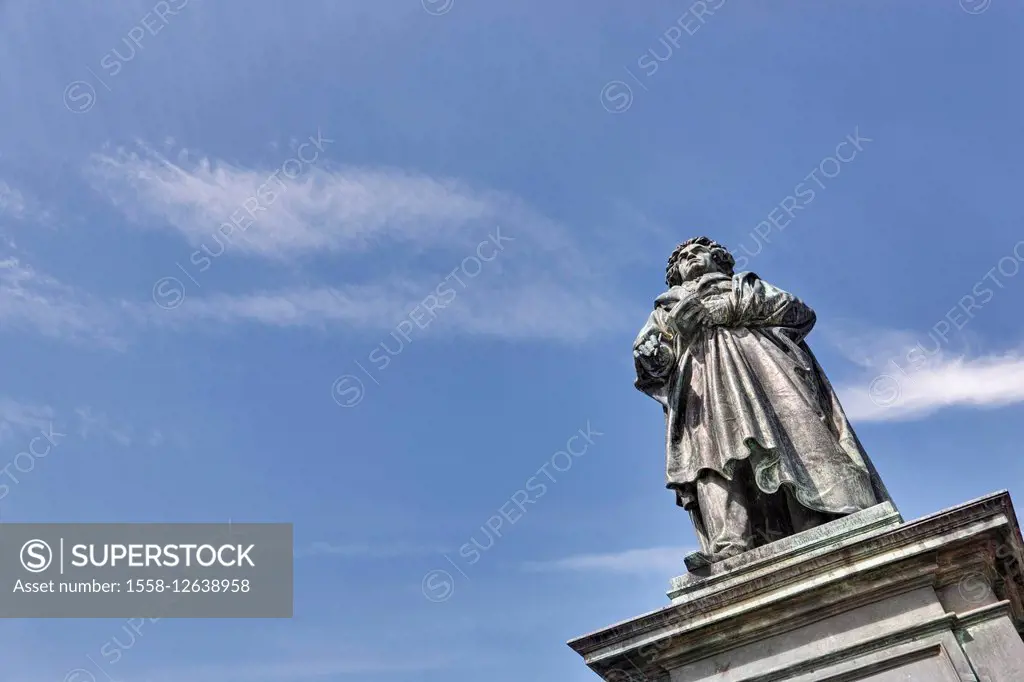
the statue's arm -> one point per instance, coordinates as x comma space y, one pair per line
756, 303
653, 355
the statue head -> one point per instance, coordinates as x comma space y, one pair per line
696, 257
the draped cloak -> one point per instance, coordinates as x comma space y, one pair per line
745, 388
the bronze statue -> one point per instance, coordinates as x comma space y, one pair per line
758, 445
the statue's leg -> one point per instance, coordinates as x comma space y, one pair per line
725, 511
701, 532
687, 499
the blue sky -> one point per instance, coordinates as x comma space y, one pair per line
387, 150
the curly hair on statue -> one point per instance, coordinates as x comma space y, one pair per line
719, 254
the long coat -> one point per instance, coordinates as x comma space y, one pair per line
747, 388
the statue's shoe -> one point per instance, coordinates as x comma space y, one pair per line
696, 561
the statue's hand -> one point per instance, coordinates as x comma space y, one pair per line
688, 315
648, 347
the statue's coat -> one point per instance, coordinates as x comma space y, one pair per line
746, 388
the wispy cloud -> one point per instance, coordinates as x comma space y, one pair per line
327, 208
989, 381
544, 285
507, 307
92, 424
527, 310
12, 201
30, 300
904, 378
17, 204
18, 416
663, 560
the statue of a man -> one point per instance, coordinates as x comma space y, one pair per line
758, 445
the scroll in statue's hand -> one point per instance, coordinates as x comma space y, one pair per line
649, 347
653, 353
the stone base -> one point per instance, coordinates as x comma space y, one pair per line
867, 597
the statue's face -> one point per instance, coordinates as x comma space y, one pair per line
694, 261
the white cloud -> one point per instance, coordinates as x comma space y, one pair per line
494, 304
530, 310
92, 424
17, 417
12, 201
667, 560
990, 381
323, 208
16, 204
20, 418
905, 378
541, 285
35, 301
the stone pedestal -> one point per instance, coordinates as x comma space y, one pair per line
868, 597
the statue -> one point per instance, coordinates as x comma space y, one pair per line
757, 443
